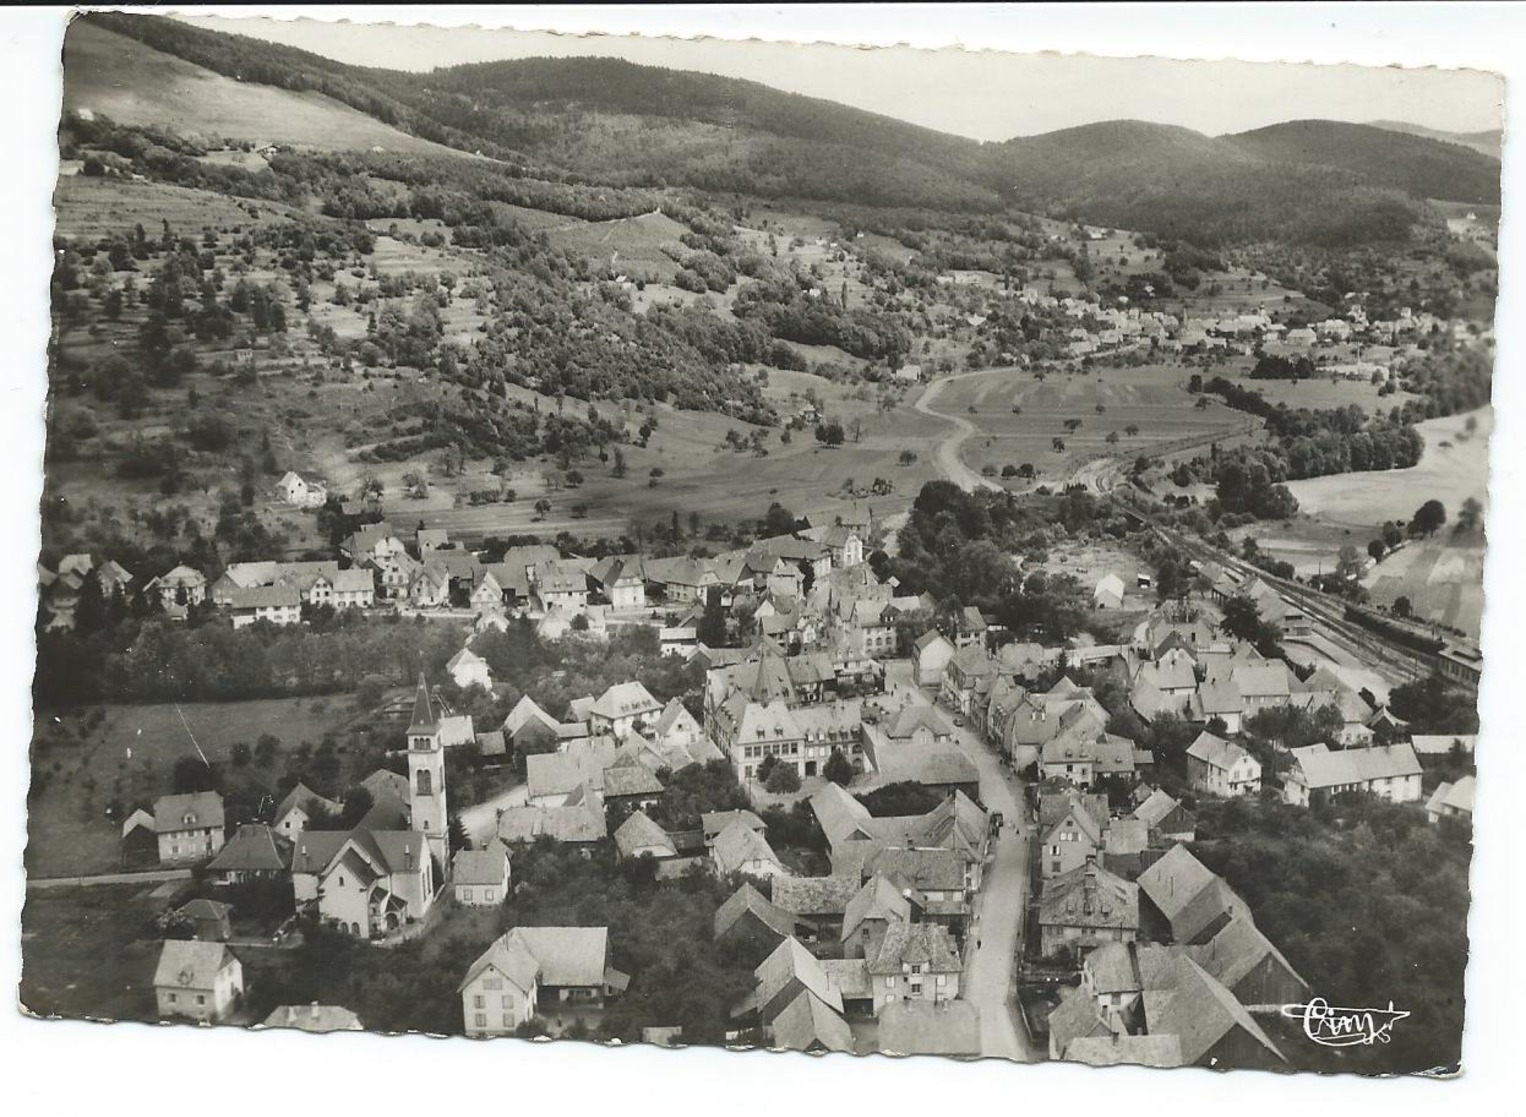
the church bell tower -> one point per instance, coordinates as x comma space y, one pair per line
426, 775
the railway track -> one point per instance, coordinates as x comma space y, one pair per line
1364, 645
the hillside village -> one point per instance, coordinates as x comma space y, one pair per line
482, 598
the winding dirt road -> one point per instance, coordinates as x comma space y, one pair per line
950, 464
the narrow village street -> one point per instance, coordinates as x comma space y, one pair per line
998, 907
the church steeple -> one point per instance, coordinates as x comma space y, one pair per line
426, 774
424, 723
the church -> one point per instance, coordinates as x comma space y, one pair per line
377, 878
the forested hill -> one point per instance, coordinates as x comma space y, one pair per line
1489, 142
1419, 166
619, 123
1313, 182
608, 122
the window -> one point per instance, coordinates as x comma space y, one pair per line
201, 998
173, 998
942, 979
341, 880
916, 968
487, 895
466, 894
481, 1020
890, 982
508, 1004
479, 1001
508, 1021
492, 984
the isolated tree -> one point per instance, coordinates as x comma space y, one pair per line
654, 475
574, 478
1072, 425
838, 769
1112, 438
1376, 549
782, 780
1470, 517
1058, 444
1402, 608
1131, 430
1348, 562
619, 469
542, 508
778, 520
1428, 519
457, 835
830, 434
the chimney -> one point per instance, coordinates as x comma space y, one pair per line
408, 857
315, 1010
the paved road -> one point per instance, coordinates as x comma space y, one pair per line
481, 821
154, 876
999, 905
998, 908
947, 454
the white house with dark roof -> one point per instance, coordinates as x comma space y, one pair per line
368, 883
189, 826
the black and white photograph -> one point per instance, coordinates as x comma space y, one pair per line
700, 542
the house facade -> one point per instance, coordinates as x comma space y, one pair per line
189, 827
200, 981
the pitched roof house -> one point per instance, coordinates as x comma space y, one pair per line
1451, 800
748, 912
313, 1018
1390, 772
529, 968
202, 981
1085, 908
480, 877
1221, 767
1186, 902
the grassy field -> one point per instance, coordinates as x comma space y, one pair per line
91, 952
114, 76
687, 447
1441, 576
1323, 393
96, 207
640, 245
130, 755
1455, 466
1153, 397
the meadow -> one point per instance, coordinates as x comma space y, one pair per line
87, 759
90, 952
134, 84
1442, 576
1154, 398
